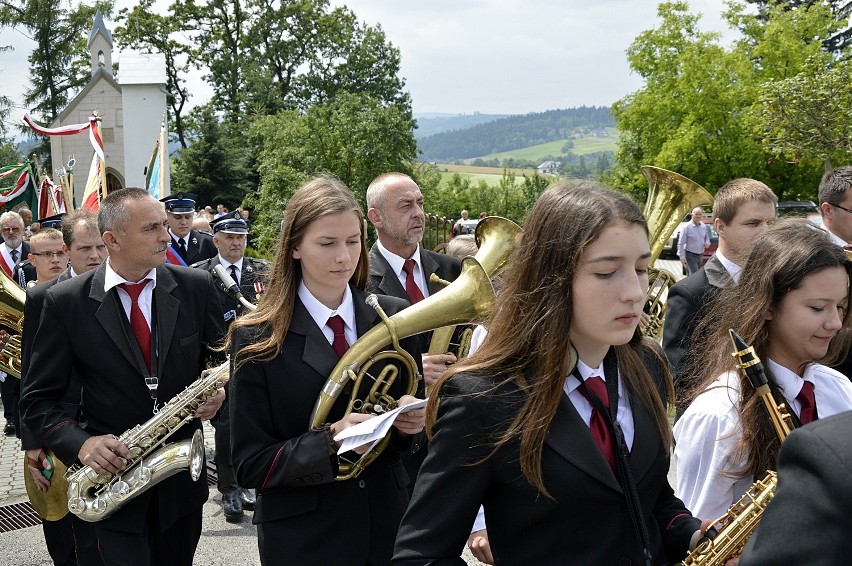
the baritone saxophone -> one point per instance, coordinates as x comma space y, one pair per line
94, 497
727, 536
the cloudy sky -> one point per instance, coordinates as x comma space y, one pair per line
489, 56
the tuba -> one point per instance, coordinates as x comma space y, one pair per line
728, 535
468, 298
496, 239
93, 496
670, 197
12, 299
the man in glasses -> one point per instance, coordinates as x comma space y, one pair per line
835, 205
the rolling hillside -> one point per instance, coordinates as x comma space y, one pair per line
514, 132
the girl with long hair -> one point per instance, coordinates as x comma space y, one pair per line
531, 425
282, 354
791, 304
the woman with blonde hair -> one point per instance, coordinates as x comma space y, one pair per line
282, 354
557, 424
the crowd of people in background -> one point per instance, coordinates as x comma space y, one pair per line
549, 443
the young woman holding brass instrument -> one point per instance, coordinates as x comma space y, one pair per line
791, 305
524, 425
282, 354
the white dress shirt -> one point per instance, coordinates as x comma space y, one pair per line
732, 268
113, 279
321, 313
707, 434
396, 263
239, 266
178, 240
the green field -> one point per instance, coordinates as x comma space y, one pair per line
490, 175
582, 146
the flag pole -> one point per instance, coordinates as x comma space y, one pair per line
103, 162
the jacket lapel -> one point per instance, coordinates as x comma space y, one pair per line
380, 270
570, 438
430, 266
110, 315
318, 353
166, 307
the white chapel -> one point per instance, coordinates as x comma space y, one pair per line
132, 109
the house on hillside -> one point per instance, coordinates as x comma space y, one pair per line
549, 167
132, 109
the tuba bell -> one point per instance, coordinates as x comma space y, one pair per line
468, 298
496, 238
12, 299
670, 197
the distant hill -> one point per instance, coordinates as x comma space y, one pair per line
514, 132
430, 123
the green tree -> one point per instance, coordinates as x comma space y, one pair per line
838, 41
799, 116
352, 136
59, 63
696, 113
142, 28
262, 56
216, 165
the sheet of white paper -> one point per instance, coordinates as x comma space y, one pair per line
372, 430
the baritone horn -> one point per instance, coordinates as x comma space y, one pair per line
468, 298
670, 197
496, 239
12, 299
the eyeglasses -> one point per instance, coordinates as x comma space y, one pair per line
14, 230
49, 254
841, 207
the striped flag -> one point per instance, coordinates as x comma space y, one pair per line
155, 174
96, 184
22, 188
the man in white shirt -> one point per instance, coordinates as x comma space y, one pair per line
694, 239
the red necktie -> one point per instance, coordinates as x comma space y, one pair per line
137, 320
411, 288
340, 345
806, 398
598, 423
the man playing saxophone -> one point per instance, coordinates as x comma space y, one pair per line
137, 332
68, 537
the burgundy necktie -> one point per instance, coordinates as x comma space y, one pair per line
137, 320
806, 398
340, 345
411, 288
598, 423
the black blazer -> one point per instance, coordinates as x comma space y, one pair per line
808, 520
385, 282
200, 247
85, 330
303, 515
32, 314
254, 270
586, 522
690, 299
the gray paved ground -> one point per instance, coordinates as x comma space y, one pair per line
222, 543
